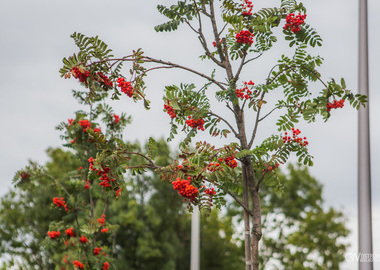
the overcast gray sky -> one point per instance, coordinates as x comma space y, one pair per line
35, 36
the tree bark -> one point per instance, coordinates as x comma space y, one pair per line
256, 232
247, 227
249, 185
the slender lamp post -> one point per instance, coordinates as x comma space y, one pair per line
195, 240
364, 175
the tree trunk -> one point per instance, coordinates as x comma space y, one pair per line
247, 227
256, 228
256, 232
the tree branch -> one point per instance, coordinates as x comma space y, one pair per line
240, 67
246, 208
254, 58
225, 121
262, 118
256, 123
158, 61
216, 33
241, 203
202, 38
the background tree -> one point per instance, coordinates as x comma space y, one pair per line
154, 227
301, 234
152, 223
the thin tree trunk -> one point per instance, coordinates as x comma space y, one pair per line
256, 229
256, 232
247, 227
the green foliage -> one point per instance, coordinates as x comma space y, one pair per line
306, 35
299, 230
177, 14
152, 230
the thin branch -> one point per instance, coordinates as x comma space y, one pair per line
292, 67
59, 184
228, 124
262, 118
216, 33
278, 74
241, 203
246, 208
92, 205
242, 106
116, 60
153, 60
229, 107
240, 67
191, 27
224, 27
259, 182
105, 206
202, 39
154, 68
256, 123
254, 58
141, 155
147, 166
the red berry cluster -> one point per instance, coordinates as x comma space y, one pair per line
104, 81
71, 121
102, 173
240, 92
126, 87
117, 118
230, 161
118, 191
87, 185
83, 239
214, 42
295, 138
97, 250
80, 74
298, 105
212, 167
270, 168
65, 259
25, 175
85, 124
335, 104
244, 36
179, 168
195, 123
70, 232
169, 109
185, 189
60, 202
248, 8
78, 264
102, 219
53, 234
210, 191
106, 265
293, 22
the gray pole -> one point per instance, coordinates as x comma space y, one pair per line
195, 240
364, 181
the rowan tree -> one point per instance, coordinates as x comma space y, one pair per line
233, 34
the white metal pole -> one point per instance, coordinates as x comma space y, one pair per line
195, 240
364, 170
